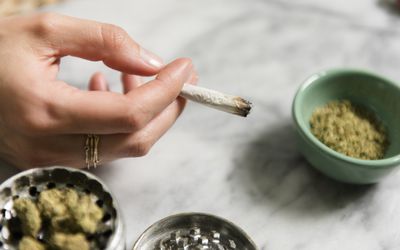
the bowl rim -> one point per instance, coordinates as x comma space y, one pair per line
301, 127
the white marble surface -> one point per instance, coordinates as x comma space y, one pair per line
249, 170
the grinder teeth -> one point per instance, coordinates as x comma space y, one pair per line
195, 239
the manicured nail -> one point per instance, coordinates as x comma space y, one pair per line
151, 59
102, 82
183, 70
195, 79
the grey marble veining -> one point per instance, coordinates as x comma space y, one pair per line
249, 170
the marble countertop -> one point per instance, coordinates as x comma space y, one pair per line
249, 170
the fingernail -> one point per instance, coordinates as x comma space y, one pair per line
183, 71
195, 79
151, 59
102, 82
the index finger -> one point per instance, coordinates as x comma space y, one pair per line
95, 41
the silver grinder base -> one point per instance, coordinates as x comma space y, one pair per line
30, 183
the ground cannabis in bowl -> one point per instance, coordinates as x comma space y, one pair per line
63, 217
350, 129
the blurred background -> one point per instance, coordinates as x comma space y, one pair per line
15, 7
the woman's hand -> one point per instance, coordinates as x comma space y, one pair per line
44, 121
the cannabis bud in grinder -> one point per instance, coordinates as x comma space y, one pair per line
63, 217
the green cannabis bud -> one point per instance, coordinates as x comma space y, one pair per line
29, 215
28, 243
68, 217
70, 241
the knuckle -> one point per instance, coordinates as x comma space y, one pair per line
45, 23
35, 120
30, 124
140, 146
133, 122
141, 150
134, 119
113, 36
39, 126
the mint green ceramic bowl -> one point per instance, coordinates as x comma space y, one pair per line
376, 93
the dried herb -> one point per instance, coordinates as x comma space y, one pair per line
70, 241
350, 129
29, 215
64, 214
29, 243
